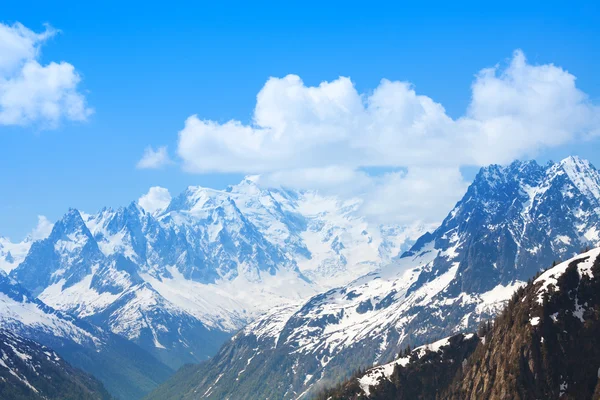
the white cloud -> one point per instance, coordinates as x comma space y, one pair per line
331, 178
153, 159
157, 198
417, 194
516, 111
19, 44
424, 194
42, 230
322, 135
31, 93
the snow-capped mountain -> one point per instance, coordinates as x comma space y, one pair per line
29, 370
126, 370
180, 280
512, 222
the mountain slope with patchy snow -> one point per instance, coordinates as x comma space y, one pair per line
126, 370
420, 374
544, 345
31, 371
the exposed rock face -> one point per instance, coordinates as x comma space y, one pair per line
544, 345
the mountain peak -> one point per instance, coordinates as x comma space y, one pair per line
72, 221
249, 185
524, 166
574, 160
251, 179
574, 165
496, 176
583, 175
73, 212
133, 209
191, 197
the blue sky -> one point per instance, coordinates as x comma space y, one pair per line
146, 68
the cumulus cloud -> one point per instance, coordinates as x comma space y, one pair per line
331, 178
32, 93
404, 196
154, 159
424, 194
42, 230
514, 112
324, 135
157, 198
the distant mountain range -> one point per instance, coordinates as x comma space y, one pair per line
513, 222
176, 283
545, 345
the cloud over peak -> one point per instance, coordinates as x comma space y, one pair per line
514, 112
323, 136
42, 229
157, 198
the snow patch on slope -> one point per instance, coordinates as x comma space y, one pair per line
551, 276
374, 376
